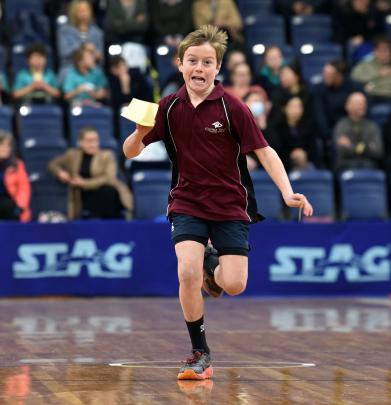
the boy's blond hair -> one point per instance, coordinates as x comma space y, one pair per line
205, 34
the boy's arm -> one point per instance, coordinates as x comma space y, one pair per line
274, 167
133, 144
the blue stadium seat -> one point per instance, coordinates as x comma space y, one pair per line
19, 60
379, 113
165, 68
363, 194
268, 30
41, 122
100, 118
6, 118
12, 8
150, 189
311, 29
37, 152
126, 127
267, 195
318, 187
313, 57
254, 8
47, 195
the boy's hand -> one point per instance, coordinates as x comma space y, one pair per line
297, 200
142, 130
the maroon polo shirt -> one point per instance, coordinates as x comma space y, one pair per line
207, 147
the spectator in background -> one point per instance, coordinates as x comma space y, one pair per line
358, 141
15, 189
174, 81
85, 83
330, 96
291, 84
37, 84
241, 79
234, 57
126, 21
4, 89
259, 108
124, 84
375, 74
269, 75
295, 137
171, 20
358, 22
80, 30
223, 13
91, 173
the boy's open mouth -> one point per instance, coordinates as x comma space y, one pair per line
198, 79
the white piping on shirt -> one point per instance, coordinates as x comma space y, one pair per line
172, 138
237, 158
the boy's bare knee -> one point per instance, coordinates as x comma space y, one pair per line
188, 274
235, 288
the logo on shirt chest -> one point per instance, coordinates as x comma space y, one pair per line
216, 128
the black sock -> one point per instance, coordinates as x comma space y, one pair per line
197, 335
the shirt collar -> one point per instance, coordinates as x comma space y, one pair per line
216, 93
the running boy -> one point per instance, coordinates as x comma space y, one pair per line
207, 134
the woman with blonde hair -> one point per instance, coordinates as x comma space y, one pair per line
80, 30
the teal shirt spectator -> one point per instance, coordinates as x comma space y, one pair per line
74, 78
25, 78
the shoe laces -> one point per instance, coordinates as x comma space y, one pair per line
194, 358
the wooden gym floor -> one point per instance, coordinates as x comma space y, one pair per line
127, 351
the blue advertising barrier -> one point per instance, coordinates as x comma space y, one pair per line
137, 259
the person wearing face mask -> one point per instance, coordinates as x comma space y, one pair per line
15, 189
259, 108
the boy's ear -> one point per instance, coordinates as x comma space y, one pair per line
179, 64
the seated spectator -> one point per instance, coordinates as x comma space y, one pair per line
126, 84
330, 96
291, 84
241, 79
375, 74
171, 21
233, 57
37, 84
15, 189
223, 13
358, 142
256, 103
85, 83
126, 21
295, 137
269, 75
80, 30
3, 88
91, 173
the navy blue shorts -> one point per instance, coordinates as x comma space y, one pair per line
228, 237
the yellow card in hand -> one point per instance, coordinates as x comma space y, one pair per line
141, 112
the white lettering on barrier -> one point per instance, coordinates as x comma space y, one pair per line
42, 260
314, 264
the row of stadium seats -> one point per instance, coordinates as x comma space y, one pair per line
363, 194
